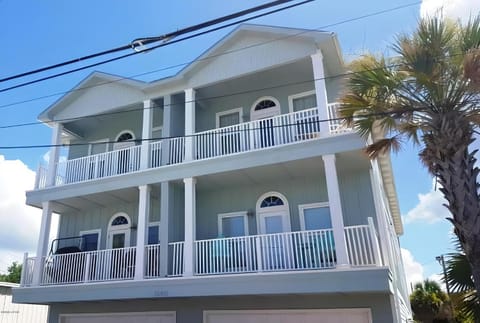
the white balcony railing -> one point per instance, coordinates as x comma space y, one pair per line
259, 134
90, 266
288, 251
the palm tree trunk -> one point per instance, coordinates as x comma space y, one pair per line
447, 156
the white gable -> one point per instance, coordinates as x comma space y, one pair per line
245, 53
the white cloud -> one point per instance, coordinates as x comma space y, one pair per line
454, 9
19, 223
413, 269
430, 208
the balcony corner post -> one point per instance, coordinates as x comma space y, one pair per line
336, 212
190, 215
24, 266
189, 124
320, 92
377, 257
54, 154
142, 230
42, 243
146, 134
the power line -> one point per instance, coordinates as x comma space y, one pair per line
149, 40
163, 44
213, 56
224, 132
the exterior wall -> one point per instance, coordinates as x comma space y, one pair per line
356, 196
191, 310
19, 313
355, 191
274, 80
116, 124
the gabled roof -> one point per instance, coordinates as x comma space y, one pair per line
322, 39
93, 80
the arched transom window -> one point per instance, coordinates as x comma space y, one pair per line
271, 201
125, 136
265, 107
119, 220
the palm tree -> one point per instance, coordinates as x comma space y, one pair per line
458, 276
427, 94
427, 300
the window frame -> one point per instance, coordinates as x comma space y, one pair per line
265, 113
152, 224
99, 231
302, 207
226, 112
221, 216
298, 96
106, 141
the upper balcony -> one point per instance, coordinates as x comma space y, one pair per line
280, 130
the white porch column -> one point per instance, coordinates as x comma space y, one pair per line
335, 205
42, 245
142, 230
166, 130
320, 91
146, 133
54, 154
189, 124
190, 218
164, 229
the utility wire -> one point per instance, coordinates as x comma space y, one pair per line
224, 132
154, 47
139, 42
213, 56
197, 99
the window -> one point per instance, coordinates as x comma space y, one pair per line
230, 140
90, 240
315, 216
119, 220
265, 107
229, 117
233, 224
271, 201
302, 101
153, 237
125, 136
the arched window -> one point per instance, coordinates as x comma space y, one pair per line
119, 220
271, 201
118, 235
273, 214
125, 136
265, 107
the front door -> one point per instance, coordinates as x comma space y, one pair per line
274, 225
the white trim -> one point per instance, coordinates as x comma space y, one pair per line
152, 224
106, 141
303, 207
125, 228
125, 131
265, 113
231, 111
124, 144
297, 96
283, 209
363, 311
172, 314
221, 216
99, 231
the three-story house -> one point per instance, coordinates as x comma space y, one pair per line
229, 192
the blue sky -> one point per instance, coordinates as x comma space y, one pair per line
39, 33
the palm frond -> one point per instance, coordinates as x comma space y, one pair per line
383, 146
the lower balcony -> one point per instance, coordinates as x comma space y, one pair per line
281, 252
